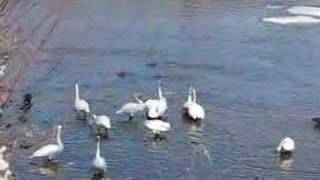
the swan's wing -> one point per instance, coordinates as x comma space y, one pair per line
131, 108
46, 150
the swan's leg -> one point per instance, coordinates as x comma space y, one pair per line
130, 117
157, 136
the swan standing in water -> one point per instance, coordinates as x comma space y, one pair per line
101, 123
132, 107
50, 150
81, 105
194, 110
286, 146
156, 107
157, 126
99, 162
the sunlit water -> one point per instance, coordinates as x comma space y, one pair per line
257, 81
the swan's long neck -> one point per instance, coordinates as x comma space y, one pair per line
98, 149
60, 144
159, 91
77, 92
138, 99
190, 95
194, 95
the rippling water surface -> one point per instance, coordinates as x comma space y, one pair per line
257, 81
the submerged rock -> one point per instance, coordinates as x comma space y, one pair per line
122, 74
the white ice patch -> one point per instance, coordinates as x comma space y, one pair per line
275, 7
305, 10
292, 20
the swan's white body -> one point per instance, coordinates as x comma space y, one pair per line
194, 110
156, 107
99, 162
102, 121
132, 107
157, 126
50, 150
3, 70
6, 175
4, 165
286, 145
80, 105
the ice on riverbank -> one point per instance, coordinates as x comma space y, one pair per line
292, 20
304, 10
275, 7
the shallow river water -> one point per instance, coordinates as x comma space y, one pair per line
258, 82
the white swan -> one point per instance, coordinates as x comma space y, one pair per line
194, 110
157, 126
156, 107
80, 105
287, 145
99, 162
7, 175
3, 70
102, 120
4, 165
132, 107
50, 150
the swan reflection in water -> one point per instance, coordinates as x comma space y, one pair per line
285, 161
195, 130
50, 168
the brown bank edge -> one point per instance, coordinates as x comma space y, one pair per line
12, 54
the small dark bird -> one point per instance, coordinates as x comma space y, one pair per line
26, 102
317, 122
316, 119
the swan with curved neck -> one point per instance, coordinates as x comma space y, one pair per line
194, 110
80, 105
156, 107
99, 162
51, 150
132, 107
